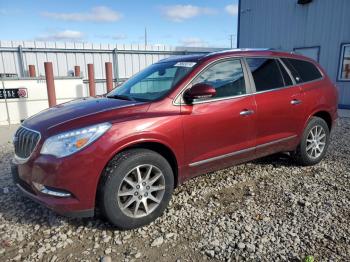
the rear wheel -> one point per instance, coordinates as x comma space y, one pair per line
314, 142
136, 188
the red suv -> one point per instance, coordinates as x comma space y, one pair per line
123, 153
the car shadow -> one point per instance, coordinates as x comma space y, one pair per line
16, 208
276, 160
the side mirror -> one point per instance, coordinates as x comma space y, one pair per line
199, 91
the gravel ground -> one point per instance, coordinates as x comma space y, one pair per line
268, 209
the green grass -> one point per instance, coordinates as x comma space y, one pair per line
309, 259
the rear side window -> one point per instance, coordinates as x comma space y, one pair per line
266, 73
302, 71
287, 80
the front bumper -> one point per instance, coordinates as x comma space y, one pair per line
66, 206
77, 174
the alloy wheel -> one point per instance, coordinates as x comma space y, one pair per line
316, 142
141, 191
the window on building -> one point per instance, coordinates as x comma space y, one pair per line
311, 52
226, 77
302, 71
266, 73
344, 68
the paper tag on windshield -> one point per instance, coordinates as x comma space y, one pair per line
185, 64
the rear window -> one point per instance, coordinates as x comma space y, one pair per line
266, 73
302, 71
287, 80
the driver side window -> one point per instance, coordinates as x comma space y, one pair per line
226, 77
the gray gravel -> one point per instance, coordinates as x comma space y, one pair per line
268, 209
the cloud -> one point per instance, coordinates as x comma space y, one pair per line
179, 13
193, 42
119, 36
63, 35
232, 9
112, 36
96, 14
8, 12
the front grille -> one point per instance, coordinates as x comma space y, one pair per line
25, 141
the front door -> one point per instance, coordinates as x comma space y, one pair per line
220, 131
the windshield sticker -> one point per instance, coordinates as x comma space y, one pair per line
185, 64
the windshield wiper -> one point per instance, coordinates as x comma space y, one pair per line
122, 97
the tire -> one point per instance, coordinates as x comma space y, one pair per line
121, 186
303, 154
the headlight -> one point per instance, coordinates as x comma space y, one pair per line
67, 143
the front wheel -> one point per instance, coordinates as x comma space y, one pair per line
314, 142
136, 188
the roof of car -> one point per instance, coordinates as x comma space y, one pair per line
184, 58
250, 51
236, 51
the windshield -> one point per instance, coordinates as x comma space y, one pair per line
153, 82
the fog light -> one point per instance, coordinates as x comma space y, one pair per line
50, 191
38, 186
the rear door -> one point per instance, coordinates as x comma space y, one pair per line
309, 77
216, 132
279, 106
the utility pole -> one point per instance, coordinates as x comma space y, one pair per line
231, 40
145, 36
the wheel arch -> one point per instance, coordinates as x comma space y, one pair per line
154, 145
321, 112
161, 149
326, 116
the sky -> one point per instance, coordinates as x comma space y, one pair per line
205, 23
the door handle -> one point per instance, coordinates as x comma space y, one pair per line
295, 102
246, 112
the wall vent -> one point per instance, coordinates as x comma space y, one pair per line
304, 2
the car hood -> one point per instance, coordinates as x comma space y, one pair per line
74, 110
